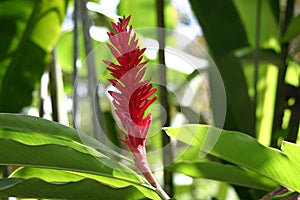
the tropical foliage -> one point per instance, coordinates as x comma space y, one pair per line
250, 153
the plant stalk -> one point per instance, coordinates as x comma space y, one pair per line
98, 122
141, 162
167, 150
281, 85
256, 60
76, 114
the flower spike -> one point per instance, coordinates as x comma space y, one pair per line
134, 95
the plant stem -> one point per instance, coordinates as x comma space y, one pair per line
97, 115
256, 60
76, 114
281, 85
141, 162
167, 149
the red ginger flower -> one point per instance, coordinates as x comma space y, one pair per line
134, 95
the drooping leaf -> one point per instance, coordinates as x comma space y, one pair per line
221, 24
242, 150
224, 33
31, 30
34, 139
29, 124
41, 143
269, 19
235, 83
227, 173
61, 176
82, 189
63, 157
293, 29
30, 141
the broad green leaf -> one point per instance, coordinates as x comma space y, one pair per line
227, 173
224, 33
292, 151
57, 156
82, 189
34, 139
241, 150
293, 29
58, 147
29, 124
26, 123
221, 25
235, 83
49, 175
269, 19
52, 175
32, 28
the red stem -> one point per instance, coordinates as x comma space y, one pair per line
141, 162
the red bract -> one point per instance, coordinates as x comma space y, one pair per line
133, 95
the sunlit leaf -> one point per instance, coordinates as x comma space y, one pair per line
62, 157
29, 124
268, 19
61, 176
242, 150
292, 151
32, 28
224, 33
226, 173
82, 189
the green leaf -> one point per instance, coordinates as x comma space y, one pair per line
35, 142
52, 175
221, 24
49, 175
34, 139
293, 29
226, 173
83, 189
63, 47
224, 33
292, 151
32, 28
28, 124
78, 165
74, 157
241, 150
235, 83
56, 149
269, 19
